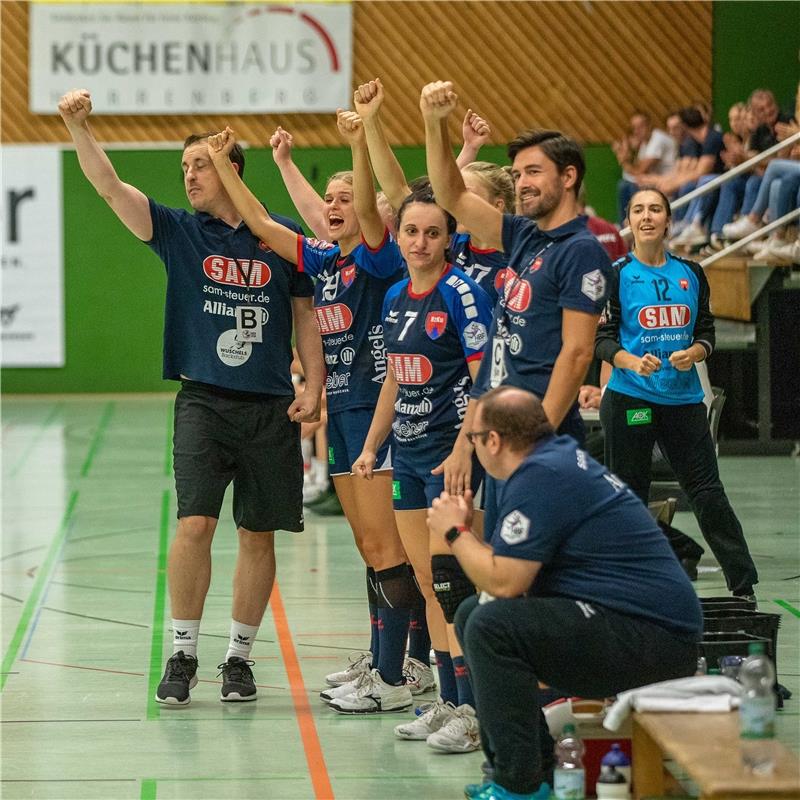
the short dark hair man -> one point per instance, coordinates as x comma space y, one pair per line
585, 593
545, 320
228, 320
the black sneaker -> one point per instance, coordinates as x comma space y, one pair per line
238, 684
180, 675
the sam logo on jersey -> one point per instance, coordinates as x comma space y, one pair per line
672, 316
333, 319
237, 272
518, 295
411, 368
501, 277
435, 324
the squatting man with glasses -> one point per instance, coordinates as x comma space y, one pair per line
585, 592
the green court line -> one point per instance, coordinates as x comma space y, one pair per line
168, 448
148, 791
157, 639
29, 449
789, 607
108, 412
42, 574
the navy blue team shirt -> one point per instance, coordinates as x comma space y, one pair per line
430, 339
548, 271
595, 539
348, 298
211, 269
656, 310
486, 267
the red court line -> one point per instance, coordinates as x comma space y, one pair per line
76, 666
317, 768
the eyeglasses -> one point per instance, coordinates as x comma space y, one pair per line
472, 435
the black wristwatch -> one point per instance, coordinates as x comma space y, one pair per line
453, 533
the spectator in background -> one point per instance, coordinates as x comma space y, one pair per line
709, 163
645, 151
604, 231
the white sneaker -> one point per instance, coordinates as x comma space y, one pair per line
359, 663
373, 696
335, 692
434, 716
691, 236
743, 226
459, 735
785, 251
311, 491
419, 676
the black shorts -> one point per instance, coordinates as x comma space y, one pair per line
223, 436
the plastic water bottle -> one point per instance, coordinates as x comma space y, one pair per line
569, 777
702, 666
619, 761
611, 785
757, 711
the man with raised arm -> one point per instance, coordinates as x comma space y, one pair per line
544, 325
229, 310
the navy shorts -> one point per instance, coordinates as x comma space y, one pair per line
413, 486
347, 431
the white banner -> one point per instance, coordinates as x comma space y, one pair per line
241, 58
32, 305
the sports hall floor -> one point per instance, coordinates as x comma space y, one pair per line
88, 511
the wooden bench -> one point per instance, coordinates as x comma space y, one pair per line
706, 747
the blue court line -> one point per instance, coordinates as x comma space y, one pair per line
42, 578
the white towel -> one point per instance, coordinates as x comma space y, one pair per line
703, 693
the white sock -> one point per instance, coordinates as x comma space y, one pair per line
242, 638
319, 470
184, 636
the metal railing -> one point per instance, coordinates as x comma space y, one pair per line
737, 245
745, 166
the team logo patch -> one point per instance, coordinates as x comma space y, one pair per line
475, 335
231, 351
515, 528
348, 275
435, 323
264, 246
639, 416
684, 284
518, 295
593, 285
536, 264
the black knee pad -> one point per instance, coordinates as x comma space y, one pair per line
451, 584
396, 587
372, 587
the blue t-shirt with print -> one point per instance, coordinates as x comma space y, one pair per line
348, 297
486, 267
548, 271
657, 309
595, 539
213, 269
430, 339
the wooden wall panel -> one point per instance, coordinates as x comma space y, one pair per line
582, 67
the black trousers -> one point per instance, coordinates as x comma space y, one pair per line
684, 437
581, 648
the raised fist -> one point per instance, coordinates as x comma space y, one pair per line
75, 107
437, 100
368, 99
